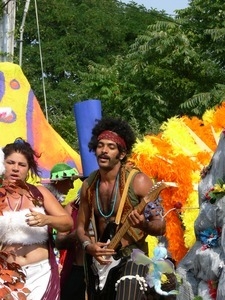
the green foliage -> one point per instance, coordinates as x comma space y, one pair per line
162, 75
202, 101
118, 94
168, 75
203, 22
65, 125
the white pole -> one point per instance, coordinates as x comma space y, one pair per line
7, 30
42, 68
22, 31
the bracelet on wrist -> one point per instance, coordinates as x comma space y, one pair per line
85, 244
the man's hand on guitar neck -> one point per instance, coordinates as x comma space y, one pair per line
137, 220
100, 252
153, 226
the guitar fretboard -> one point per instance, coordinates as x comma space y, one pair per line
151, 196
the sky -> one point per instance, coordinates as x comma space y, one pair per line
168, 5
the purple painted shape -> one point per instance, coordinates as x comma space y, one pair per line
2, 85
29, 117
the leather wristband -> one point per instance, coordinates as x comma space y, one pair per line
85, 244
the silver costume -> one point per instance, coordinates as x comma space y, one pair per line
204, 264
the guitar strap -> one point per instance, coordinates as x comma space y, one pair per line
122, 200
124, 195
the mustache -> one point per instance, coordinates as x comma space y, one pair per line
103, 156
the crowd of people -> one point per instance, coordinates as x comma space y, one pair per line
96, 233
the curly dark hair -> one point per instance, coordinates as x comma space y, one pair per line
119, 126
23, 147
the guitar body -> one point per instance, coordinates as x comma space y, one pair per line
99, 276
108, 291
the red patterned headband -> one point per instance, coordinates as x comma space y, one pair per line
113, 136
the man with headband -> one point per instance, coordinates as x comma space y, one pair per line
118, 228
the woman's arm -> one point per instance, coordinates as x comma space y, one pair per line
66, 240
56, 216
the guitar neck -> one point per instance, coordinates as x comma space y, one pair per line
151, 196
123, 229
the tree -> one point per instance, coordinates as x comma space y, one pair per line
169, 70
150, 84
73, 33
203, 23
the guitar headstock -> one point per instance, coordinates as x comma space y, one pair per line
162, 185
157, 188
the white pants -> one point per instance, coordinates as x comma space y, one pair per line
37, 278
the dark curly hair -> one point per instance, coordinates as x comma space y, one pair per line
119, 126
23, 147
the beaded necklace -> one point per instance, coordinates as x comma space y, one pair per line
113, 201
18, 204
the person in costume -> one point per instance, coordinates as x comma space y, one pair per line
72, 281
61, 180
27, 217
101, 195
202, 268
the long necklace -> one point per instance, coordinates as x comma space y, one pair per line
18, 204
113, 201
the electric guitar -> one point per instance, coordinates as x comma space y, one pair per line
102, 271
